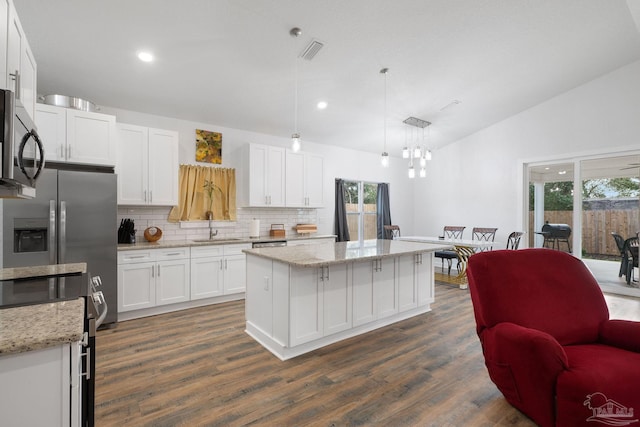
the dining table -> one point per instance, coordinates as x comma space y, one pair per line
464, 247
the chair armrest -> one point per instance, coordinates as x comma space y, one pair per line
621, 333
524, 363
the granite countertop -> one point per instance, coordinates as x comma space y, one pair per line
42, 270
165, 244
343, 252
40, 326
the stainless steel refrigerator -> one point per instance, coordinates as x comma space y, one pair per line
73, 218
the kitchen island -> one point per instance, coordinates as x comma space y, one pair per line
305, 297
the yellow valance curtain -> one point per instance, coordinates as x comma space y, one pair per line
193, 201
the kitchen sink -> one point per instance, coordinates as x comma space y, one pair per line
217, 240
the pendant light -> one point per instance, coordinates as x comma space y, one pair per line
295, 138
384, 159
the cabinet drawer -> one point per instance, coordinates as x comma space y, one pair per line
206, 251
172, 253
236, 249
125, 257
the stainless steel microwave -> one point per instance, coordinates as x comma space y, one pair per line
22, 150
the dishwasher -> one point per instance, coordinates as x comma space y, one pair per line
270, 244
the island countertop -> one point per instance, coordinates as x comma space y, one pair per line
342, 252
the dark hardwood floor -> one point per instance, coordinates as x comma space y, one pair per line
198, 367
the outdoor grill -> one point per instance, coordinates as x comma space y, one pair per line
554, 234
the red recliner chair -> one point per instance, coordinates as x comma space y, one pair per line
547, 340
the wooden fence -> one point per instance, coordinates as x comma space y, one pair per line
597, 226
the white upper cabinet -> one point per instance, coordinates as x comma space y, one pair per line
305, 177
147, 166
266, 176
4, 32
20, 70
76, 136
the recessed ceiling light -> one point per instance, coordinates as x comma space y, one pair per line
562, 172
145, 56
322, 105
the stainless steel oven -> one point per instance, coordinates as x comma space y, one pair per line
21, 147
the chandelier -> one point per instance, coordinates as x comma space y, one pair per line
415, 148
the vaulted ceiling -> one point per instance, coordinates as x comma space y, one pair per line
460, 64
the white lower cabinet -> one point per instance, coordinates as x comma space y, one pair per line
320, 302
148, 278
374, 290
41, 387
218, 270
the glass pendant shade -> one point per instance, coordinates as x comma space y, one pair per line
423, 172
417, 153
423, 162
412, 172
384, 160
295, 142
427, 155
405, 153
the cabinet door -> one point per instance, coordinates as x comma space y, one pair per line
258, 175
235, 274
306, 315
276, 176
35, 387
136, 286
133, 163
295, 192
424, 278
28, 79
260, 289
337, 299
364, 309
407, 292
385, 295
172, 281
4, 30
314, 180
91, 138
163, 167
206, 277
15, 41
51, 122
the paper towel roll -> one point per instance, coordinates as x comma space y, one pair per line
255, 228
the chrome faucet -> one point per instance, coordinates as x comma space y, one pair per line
211, 233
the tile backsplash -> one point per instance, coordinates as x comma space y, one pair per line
144, 217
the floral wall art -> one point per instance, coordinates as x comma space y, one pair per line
208, 146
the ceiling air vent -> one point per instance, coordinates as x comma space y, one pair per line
311, 50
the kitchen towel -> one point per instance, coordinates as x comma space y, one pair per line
255, 228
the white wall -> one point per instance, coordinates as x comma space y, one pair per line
339, 163
474, 182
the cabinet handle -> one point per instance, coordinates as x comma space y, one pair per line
158, 270
225, 264
174, 253
61, 151
153, 272
145, 196
135, 256
322, 274
69, 152
150, 196
327, 273
220, 265
16, 78
266, 283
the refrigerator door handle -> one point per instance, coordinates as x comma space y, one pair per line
63, 231
52, 232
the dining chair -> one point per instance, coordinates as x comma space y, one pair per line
623, 258
391, 232
484, 234
513, 241
450, 232
631, 254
